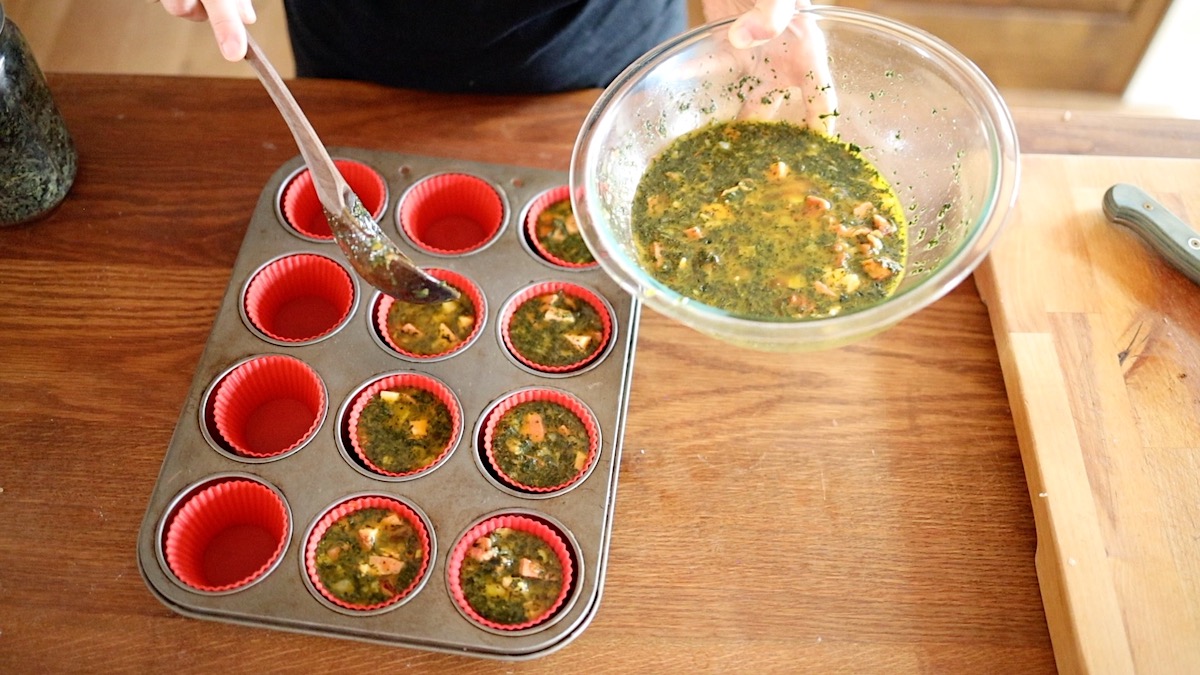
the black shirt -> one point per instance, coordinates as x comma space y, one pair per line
496, 46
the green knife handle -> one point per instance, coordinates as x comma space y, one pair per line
1162, 230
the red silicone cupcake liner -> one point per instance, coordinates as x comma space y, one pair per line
425, 382
352, 506
226, 536
299, 298
536, 207
572, 290
302, 208
568, 401
520, 523
458, 282
268, 406
451, 213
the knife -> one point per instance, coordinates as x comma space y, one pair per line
1165, 232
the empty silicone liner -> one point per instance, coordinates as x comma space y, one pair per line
540, 440
526, 551
556, 327
226, 534
553, 232
268, 406
299, 298
302, 209
451, 213
368, 554
427, 332
404, 424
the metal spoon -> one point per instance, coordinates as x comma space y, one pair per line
375, 257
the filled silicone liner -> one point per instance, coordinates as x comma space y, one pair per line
301, 208
225, 534
266, 406
584, 358
520, 522
384, 327
451, 213
299, 298
543, 248
393, 383
347, 509
512, 403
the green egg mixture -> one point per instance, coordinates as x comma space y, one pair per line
556, 329
558, 233
404, 429
369, 556
431, 328
540, 444
510, 576
769, 220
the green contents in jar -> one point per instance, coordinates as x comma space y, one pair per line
431, 329
556, 329
369, 556
510, 577
37, 156
540, 444
404, 429
771, 221
558, 232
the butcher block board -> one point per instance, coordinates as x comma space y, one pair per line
1099, 341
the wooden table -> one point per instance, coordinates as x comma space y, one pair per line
860, 510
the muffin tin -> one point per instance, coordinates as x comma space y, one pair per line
262, 453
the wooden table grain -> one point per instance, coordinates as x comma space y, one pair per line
858, 510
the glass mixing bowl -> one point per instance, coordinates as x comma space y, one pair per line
920, 111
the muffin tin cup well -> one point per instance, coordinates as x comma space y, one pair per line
383, 326
395, 382
265, 407
298, 298
491, 455
300, 209
535, 359
458, 491
451, 214
540, 246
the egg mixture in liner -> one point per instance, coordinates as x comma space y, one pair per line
510, 572
541, 440
268, 406
299, 298
451, 213
551, 229
556, 327
404, 424
433, 331
368, 553
302, 210
226, 535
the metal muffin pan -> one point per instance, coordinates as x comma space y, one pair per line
453, 496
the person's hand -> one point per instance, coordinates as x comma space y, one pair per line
796, 58
227, 17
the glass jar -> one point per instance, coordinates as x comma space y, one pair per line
37, 157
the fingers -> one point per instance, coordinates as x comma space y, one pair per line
763, 22
228, 19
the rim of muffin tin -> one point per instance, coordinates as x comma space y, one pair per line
346, 448
178, 501
493, 476
287, 182
577, 570
417, 587
376, 330
208, 424
339, 327
592, 362
505, 215
527, 237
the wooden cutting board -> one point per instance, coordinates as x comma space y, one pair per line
1099, 341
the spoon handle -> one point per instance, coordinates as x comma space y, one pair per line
330, 186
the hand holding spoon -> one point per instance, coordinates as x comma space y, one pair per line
375, 257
